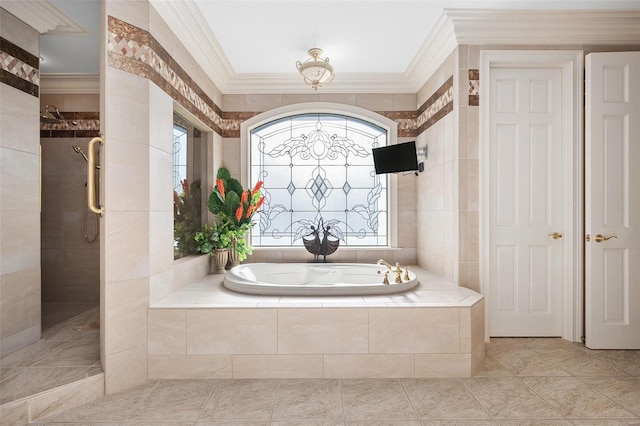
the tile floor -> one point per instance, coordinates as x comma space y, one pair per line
522, 382
67, 352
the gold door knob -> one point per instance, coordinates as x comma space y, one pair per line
598, 238
556, 235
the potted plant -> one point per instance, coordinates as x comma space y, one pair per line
186, 218
236, 206
215, 241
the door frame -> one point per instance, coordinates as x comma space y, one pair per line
571, 62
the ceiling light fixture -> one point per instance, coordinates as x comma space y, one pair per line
315, 71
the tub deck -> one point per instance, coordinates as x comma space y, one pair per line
208, 331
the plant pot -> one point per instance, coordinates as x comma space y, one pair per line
219, 260
233, 254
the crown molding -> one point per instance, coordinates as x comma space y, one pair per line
437, 47
454, 27
42, 16
69, 84
187, 23
292, 83
545, 27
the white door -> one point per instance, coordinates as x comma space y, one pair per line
612, 216
525, 201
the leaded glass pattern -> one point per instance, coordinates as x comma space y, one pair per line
319, 166
179, 157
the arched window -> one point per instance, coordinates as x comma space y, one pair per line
317, 170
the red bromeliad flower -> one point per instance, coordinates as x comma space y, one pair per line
239, 213
220, 186
185, 187
244, 197
257, 187
259, 202
249, 211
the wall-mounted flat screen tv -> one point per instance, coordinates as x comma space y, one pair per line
400, 157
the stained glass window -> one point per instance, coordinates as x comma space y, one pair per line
318, 170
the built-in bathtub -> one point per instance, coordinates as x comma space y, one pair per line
318, 279
205, 330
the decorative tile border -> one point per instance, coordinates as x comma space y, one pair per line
87, 126
134, 50
474, 87
436, 107
406, 121
19, 68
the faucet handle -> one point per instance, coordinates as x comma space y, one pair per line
398, 275
406, 274
385, 281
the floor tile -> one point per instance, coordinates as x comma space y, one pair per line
68, 353
308, 400
307, 423
29, 381
580, 363
504, 343
625, 391
606, 422
442, 398
527, 362
545, 343
176, 400
492, 368
372, 399
627, 361
241, 400
110, 408
509, 398
575, 399
535, 422
384, 423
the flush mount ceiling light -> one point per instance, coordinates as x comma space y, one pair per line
315, 71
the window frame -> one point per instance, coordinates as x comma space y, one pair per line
327, 108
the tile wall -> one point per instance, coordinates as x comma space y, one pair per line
436, 189
70, 263
19, 184
316, 342
448, 191
468, 164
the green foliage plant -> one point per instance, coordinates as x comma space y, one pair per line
235, 206
213, 237
187, 211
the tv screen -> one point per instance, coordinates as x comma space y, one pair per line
400, 157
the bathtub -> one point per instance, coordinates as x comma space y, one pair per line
314, 279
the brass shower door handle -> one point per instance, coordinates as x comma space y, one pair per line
555, 235
598, 238
91, 186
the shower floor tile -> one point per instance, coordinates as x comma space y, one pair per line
67, 352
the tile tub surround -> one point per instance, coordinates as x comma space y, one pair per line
207, 331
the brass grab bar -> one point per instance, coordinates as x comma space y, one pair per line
91, 169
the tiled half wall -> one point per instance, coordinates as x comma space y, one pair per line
400, 342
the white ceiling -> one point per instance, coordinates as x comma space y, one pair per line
358, 36
264, 38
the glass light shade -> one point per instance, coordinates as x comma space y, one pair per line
316, 71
